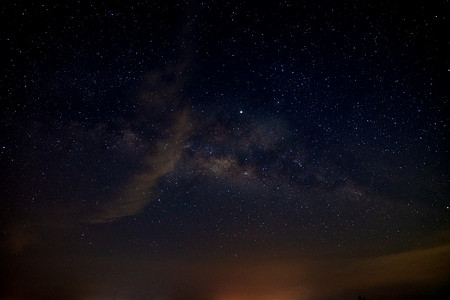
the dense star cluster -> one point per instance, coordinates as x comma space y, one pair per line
224, 149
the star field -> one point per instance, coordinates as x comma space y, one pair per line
211, 150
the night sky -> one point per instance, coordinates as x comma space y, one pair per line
224, 150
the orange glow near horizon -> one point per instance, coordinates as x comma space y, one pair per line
256, 297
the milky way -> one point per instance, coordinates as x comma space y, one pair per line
215, 150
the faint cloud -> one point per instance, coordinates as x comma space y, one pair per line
138, 192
